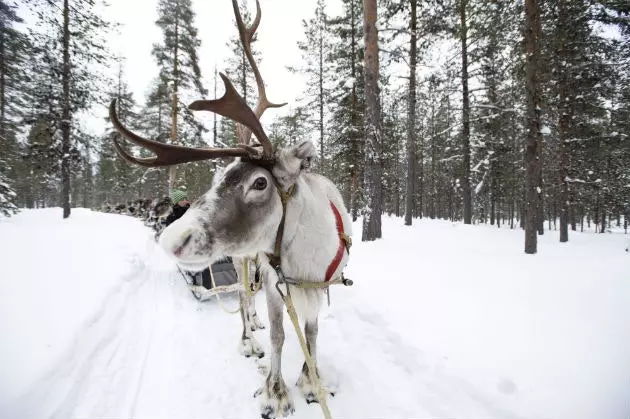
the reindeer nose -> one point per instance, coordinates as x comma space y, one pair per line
187, 237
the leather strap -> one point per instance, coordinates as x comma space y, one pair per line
274, 259
344, 244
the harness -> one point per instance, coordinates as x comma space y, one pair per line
345, 242
275, 261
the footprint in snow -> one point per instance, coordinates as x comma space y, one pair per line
507, 386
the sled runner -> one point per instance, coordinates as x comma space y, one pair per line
223, 272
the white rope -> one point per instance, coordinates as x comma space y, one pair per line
216, 291
312, 371
214, 286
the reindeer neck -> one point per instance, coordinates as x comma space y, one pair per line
307, 237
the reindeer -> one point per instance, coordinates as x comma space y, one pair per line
266, 204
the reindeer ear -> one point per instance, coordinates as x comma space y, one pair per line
292, 161
305, 152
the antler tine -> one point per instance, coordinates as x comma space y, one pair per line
232, 105
247, 37
251, 31
166, 154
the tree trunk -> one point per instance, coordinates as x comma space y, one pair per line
373, 129
322, 160
572, 216
465, 181
492, 208
214, 114
87, 181
512, 211
563, 131
65, 122
499, 213
540, 214
533, 139
2, 84
354, 189
411, 116
172, 171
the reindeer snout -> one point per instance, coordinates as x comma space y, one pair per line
187, 237
178, 240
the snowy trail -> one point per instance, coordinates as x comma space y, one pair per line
153, 351
150, 350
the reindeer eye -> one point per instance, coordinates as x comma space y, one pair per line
260, 183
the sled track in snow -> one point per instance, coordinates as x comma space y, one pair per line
107, 338
436, 390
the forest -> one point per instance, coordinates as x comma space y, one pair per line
509, 113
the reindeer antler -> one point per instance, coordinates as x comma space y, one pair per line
247, 37
168, 154
234, 107
245, 130
231, 105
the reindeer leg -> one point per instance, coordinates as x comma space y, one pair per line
248, 346
304, 383
275, 399
255, 320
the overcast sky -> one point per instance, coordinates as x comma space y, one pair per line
279, 31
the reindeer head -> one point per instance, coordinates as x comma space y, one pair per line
240, 215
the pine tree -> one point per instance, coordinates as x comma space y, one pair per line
465, 180
532, 143
69, 40
126, 176
373, 128
348, 104
177, 59
289, 129
14, 51
499, 57
316, 47
411, 112
575, 77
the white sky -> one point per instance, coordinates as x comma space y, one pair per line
278, 33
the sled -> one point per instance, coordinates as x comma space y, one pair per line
200, 283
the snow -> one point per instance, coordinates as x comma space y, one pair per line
545, 130
350, 82
444, 320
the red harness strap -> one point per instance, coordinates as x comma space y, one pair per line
342, 244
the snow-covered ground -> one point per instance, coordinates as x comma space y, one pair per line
444, 320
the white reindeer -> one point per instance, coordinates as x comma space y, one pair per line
264, 204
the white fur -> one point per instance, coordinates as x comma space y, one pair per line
309, 244
250, 347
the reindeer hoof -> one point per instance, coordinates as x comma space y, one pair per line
311, 398
250, 347
257, 324
308, 390
275, 400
